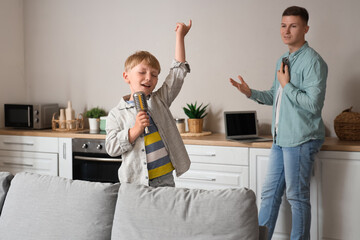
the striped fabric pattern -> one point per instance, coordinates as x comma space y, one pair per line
158, 159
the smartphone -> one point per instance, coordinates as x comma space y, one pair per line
285, 61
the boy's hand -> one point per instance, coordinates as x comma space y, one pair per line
182, 29
142, 120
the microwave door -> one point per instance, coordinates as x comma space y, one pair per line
18, 116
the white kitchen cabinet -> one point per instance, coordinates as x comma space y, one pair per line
258, 163
29, 144
339, 195
35, 162
335, 188
215, 167
30, 154
65, 158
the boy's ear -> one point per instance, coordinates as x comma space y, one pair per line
126, 77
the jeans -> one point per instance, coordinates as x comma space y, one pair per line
289, 169
166, 180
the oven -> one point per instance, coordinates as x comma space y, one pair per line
92, 163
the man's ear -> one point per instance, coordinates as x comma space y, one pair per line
306, 29
126, 77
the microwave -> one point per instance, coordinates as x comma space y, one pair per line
33, 116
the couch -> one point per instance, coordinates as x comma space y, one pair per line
34, 206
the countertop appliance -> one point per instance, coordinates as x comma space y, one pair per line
33, 116
92, 163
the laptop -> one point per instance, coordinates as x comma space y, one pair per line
242, 126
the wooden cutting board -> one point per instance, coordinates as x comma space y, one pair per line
189, 134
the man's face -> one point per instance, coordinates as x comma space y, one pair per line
142, 77
293, 30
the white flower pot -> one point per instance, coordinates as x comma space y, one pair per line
94, 125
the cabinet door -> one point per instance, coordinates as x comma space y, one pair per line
218, 155
213, 176
215, 167
16, 161
65, 158
30, 144
339, 191
258, 164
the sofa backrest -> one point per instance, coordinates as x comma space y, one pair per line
49, 207
177, 213
5, 179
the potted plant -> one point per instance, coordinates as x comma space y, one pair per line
94, 115
196, 115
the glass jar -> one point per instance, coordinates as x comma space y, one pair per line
103, 123
180, 124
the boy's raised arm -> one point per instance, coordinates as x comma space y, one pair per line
181, 30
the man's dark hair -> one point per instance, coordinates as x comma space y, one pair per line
297, 11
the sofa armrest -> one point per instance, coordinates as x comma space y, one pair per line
5, 179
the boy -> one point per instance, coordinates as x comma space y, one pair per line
297, 96
149, 158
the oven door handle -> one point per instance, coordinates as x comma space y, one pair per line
98, 159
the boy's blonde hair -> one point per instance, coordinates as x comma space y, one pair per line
140, 56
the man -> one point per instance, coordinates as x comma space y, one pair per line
297, 96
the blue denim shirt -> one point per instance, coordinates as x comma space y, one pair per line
302, 99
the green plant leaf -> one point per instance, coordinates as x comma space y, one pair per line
202, 111
188, 113
95, 113
194, 111
192, 107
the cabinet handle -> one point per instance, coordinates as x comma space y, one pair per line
18, 164
198, 179
203, 154
19, 143
98, 159
64, 151
29, 116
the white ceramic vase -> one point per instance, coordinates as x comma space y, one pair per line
62, 119
94, 125
70, 115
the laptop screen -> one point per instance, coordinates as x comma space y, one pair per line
240, 124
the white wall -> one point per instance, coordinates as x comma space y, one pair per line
75, 50
12, 84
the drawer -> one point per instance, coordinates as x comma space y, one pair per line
207, 179
218, 155
42, 163
26, 143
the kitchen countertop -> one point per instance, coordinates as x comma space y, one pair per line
216, 139
51, 133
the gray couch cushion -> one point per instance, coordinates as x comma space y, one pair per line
48, 207
5, 179
175, 213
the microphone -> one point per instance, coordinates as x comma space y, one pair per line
141, 104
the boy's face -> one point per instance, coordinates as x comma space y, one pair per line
293, 30
142, 77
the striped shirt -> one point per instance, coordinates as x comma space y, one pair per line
158, 160
121, 118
